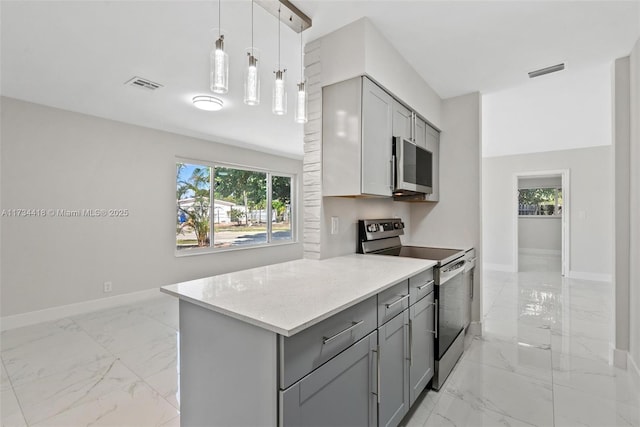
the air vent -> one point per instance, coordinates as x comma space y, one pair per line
143, 83
547, 70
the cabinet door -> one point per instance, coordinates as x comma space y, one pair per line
376, 139
420, 132
433, 145
339, 393
421, 365
394, 370
402, 121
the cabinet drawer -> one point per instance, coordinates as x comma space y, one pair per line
392, 301
420, 285
339, 393
303, 352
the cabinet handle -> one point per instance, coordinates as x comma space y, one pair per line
436, 315
345, 330
429, 283
377, 392
410, 342
399, 300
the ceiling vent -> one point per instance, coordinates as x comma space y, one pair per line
143, 83
547, 70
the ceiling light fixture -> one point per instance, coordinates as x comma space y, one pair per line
219, 62
207, 103
301, 99
252, 77
279, 106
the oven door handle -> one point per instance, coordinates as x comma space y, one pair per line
445, 276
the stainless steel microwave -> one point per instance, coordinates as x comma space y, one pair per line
413, 168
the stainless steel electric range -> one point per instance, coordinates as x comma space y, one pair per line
382, 237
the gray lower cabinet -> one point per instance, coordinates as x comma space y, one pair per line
393, 337
421, 363
341, 392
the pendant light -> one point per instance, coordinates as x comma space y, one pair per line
279, 106
219, 63
251, 76
301, 99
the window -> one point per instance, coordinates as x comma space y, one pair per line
540, 201
239, 215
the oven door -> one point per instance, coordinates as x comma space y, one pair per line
450, 303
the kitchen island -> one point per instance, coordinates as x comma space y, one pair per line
241, 332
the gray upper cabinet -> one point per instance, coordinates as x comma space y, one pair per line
356, 139
402, 121
420, 130
433, 145
341, 392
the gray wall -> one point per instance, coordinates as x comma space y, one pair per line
591, 217
58, 159
543, 235
455, 220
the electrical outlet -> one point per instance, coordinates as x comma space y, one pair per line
335, 225
108, 286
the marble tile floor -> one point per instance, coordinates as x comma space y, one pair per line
542, 361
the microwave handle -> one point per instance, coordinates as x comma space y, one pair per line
393, 173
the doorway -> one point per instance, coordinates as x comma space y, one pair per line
541, 221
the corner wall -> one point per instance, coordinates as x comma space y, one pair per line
634, 253
57, 159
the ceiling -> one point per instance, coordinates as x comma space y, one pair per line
77, 55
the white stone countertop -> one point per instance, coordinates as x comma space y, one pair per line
289, 297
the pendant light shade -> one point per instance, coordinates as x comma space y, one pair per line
219, 63
251, 73
301, 98
279, 94
252, 80
279, 106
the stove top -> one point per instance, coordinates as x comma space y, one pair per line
442, 255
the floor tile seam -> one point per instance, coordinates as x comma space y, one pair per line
15, 396
553, 392
114, 353
599, 397
518, 374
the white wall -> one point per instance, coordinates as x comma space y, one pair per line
543, 235
634, 254
353, 50
591, 220
58, 159
564, 110
455, 220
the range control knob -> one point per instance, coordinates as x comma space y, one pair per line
372, 228
397, 225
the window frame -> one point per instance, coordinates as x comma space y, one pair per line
269, 176
555, 209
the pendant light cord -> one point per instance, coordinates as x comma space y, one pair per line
278, 38
252, 50
301, 63
219, 12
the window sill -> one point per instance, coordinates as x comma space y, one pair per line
208, 251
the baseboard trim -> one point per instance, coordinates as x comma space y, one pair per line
619, 357
583, 275
55, 313
475, 329
499, 267
535, 251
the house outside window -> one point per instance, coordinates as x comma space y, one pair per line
227, 207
